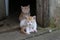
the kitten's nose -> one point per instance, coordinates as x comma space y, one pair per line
29, 24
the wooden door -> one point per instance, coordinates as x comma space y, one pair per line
42, 13
2, 9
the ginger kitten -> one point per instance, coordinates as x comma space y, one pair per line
25, 11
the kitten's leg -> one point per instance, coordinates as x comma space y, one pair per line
35, 28
23, 30
31, 29
27, 30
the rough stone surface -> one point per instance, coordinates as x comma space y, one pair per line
16, 35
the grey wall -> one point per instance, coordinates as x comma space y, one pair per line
2, 8
52, 6
55, 11
58, 3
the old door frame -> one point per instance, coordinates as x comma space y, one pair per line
43, 12
7, 7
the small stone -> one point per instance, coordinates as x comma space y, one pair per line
50, 30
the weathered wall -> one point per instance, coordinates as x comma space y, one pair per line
2, 9
58, 3
55, 11
52, 7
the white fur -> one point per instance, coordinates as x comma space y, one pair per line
30, 26
23, 23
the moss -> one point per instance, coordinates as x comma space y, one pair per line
52, 25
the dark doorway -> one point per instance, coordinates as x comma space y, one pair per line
14, 7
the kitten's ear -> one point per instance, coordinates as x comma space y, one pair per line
21, 6
34, 17
29, 6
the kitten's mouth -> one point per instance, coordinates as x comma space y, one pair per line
29, 24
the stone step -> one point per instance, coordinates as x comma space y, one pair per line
8, 24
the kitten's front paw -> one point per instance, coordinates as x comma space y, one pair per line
27, 33
35, 31
32, 31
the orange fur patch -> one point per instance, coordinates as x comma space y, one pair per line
30, 18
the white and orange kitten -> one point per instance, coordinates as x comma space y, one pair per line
29, 24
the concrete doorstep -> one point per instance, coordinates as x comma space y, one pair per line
8, 24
